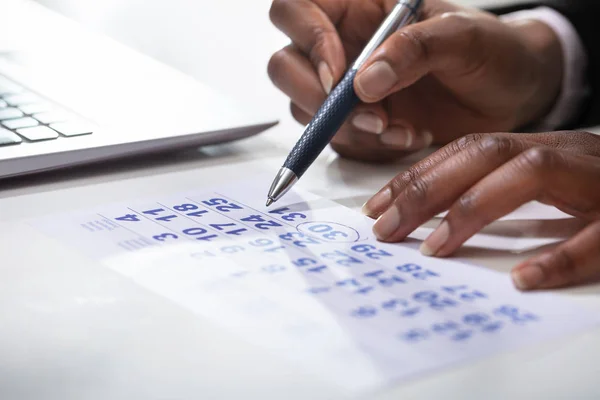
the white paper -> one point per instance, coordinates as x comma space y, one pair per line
495, 242
307, 280
531, 211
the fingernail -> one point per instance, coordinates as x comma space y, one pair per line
377, 203
397, 137
325, 76
368, 122
387, 224
528, 277
432, 245
377, 80
427, 138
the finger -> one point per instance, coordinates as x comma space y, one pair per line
354, 144
311, 29
573, 262
437, 189
299, 114
450, 42
347, 147
537, 172
382, 200
370, 118
291, 72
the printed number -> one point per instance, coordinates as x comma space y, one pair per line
190, 207
129, 218
394, 304
304, 262
383, 280
198, 232
164, 237
273, 269
204, 254
185, 207
364, 312
261, 242
434, 300
453, 329
445, 327
371, 251
464, 293
222, 205
342, 258
462, 335
415, 335
158, 211
327, 232
318, 290
516, 316
482, 321
348, 282
292, 216
353, 283
317, 270
195, 231
221, 227
417, 271
232, 249
261, 223
154, 213
303, 240
307, 262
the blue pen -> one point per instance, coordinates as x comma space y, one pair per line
336, 108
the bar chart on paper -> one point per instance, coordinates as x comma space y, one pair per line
307, 281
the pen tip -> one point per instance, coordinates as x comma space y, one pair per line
269, 201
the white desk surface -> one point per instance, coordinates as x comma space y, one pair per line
88, 336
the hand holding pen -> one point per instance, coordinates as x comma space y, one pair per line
339, 104
444, 76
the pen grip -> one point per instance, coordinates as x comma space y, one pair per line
324, 125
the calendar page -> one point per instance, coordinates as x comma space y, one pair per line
306, 279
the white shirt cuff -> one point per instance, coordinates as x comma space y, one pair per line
574, 88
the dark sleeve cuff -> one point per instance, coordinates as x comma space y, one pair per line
583, 15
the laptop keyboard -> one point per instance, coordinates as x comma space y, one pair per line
26, 117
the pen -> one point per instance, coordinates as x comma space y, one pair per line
336, 108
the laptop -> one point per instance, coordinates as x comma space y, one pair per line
70, 97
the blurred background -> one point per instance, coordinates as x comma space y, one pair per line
226, 44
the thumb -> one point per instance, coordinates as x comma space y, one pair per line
450, 42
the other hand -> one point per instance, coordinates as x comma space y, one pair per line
480, 178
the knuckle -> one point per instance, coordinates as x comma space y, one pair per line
320, 36
466, 205
497, 145
276, 65
278, 10
564, 265
587, 142
298, 114
469, 207
418, 41
469, 32
539, 158
467, 141
416, 191
402, 180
